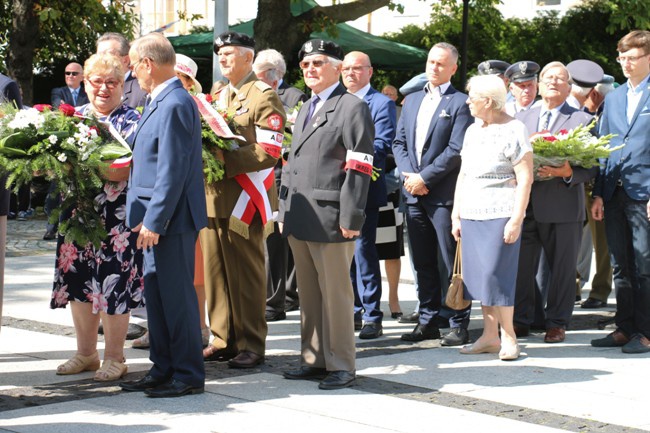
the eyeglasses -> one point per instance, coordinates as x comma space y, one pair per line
315, 63
135, 65
97, 83
355, 69
629, 59
550, 80
73, 73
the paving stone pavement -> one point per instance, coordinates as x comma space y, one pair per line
401, 387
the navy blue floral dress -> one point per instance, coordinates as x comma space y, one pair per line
109, 277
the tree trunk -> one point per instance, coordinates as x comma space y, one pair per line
22, 43
276, 28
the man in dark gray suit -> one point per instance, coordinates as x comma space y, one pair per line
322, 200
72, 93
555, 213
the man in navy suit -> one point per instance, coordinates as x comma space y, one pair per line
622, 189
427, 147
73, 92
555, 213
166, 205
365, 272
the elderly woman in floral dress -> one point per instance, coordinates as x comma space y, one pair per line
103, 282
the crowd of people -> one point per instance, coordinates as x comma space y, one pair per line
306, 225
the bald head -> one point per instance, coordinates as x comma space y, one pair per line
357, 71
74, 75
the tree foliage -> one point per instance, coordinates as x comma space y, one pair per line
39, 34
589, 31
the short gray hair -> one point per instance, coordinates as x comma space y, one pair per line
554, 65
156, 47
272, 63
449, 47
604, 88
579, 90
489, 86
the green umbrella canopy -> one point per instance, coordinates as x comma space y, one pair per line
383, 53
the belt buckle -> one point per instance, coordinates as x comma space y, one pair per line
619, 182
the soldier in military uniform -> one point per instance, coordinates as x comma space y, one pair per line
523, 85
240, 210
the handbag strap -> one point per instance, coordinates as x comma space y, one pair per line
458, 259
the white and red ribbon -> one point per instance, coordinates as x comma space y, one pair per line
358, 161
215, 121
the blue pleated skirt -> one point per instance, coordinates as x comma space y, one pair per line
489, 264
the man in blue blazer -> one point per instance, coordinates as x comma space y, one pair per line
427, 148
166, 205
365, 271
555, 213
622, 189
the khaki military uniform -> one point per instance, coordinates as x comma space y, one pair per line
235, 278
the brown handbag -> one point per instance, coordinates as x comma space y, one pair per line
455, 294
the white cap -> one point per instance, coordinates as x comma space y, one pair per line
187, 66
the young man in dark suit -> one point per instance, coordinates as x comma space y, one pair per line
621, 195
427, 148
166, 205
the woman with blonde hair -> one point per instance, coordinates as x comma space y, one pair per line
103, 282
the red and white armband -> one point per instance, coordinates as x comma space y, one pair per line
361, 162
271, 141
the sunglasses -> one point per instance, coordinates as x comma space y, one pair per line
316, 63
73, 73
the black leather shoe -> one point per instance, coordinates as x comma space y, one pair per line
147, 382
274, 316
638, 344
338, 379
593, 303
409, 318
358, 324
613, 339
455, 337
422, 332
304, 373
291, 306
396, 315
173, 388
371, 330
49, 235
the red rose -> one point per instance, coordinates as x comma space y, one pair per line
42, 107
67, 109
208, 98
563, 132
550, 138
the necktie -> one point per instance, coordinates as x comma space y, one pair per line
312, 108
74, 97
546, 120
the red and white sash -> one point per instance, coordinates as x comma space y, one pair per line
254, 185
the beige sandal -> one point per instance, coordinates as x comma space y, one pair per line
79, 363
110, 370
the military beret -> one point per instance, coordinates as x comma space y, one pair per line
227, 39
320, 46
522, 71
493, 67
585, 73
